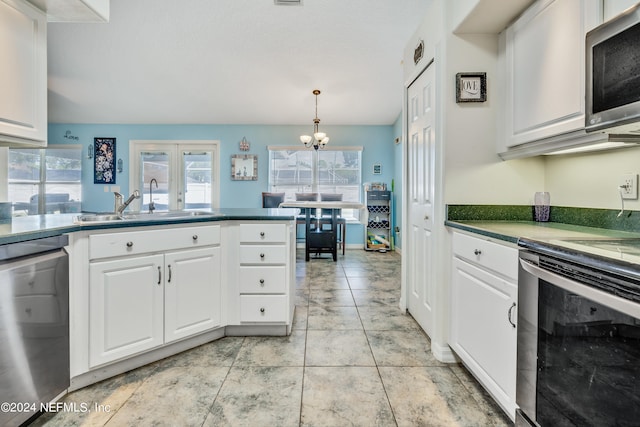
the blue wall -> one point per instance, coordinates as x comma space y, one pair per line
378, 143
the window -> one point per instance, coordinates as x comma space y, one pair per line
301, 170
45, 180
187, 174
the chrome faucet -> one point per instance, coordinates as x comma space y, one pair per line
152, 205
120, 206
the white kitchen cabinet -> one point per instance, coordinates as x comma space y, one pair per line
265, 273
483, 314
138, 302
125, 307
23, 74
615, 7
543, 61
74, 10
192, 292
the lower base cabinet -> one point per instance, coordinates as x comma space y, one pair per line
140, 303
483, 314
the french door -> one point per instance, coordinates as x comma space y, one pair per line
420, 176
175, 175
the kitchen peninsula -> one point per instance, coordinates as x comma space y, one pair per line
143, 288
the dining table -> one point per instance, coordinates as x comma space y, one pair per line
318, 238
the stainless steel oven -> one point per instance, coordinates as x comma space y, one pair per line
578, 340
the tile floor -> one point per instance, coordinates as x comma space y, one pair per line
353, 359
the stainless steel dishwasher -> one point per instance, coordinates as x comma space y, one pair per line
34, 326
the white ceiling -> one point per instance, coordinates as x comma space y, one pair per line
233, 62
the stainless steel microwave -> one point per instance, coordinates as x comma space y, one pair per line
613, 75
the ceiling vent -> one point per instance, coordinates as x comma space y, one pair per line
288, 2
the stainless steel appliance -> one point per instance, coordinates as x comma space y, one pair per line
613, 75
34, 326
579, 333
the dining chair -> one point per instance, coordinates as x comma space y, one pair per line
325, 215
272, 200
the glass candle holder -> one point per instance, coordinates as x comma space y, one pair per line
541, 206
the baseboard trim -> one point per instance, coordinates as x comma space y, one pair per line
444, 353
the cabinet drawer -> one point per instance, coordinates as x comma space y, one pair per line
263, 308
263, 233
139, 242
494, 256
250, 254
263, 280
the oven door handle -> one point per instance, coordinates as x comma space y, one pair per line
630, 308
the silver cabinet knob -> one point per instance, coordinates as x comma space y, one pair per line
195, 237
426, 217
477, 252
262, 256
262, 310
261, 282
262, 234
129, 244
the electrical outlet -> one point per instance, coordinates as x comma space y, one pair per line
629, 186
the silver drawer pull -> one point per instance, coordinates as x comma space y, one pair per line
159, 275
262, 256
262, 234
261, 282
195, 237
477, 252
509, 314
262, 310
129, 244
169, 278
28, 311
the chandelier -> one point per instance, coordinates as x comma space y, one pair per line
319, 139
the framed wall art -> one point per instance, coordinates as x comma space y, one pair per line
471, 87
104, 159
244, 167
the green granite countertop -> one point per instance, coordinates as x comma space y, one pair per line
31, 227
511, 222
511, 231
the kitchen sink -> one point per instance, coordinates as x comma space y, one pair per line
142, 216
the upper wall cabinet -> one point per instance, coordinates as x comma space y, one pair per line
543, 56
23, 74
485, 16
615, 7
74, 10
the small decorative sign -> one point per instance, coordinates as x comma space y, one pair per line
244, 167
244, 144
68, 135
377, 169
104, 160
418, 52
471, 87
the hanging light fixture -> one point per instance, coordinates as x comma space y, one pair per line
319, 139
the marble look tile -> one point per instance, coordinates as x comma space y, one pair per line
328, 282
327, 317
332, 297
375, 297
431, 396
273, 351
338, 348
351, 396
173, 396
362, 272
375, 283
401, 348
484, 400
386, 318
111, 393
302, 297
300, 317
302, 282
258, 396
221, 352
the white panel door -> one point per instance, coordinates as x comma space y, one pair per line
192, 292
125, 307
420, 184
